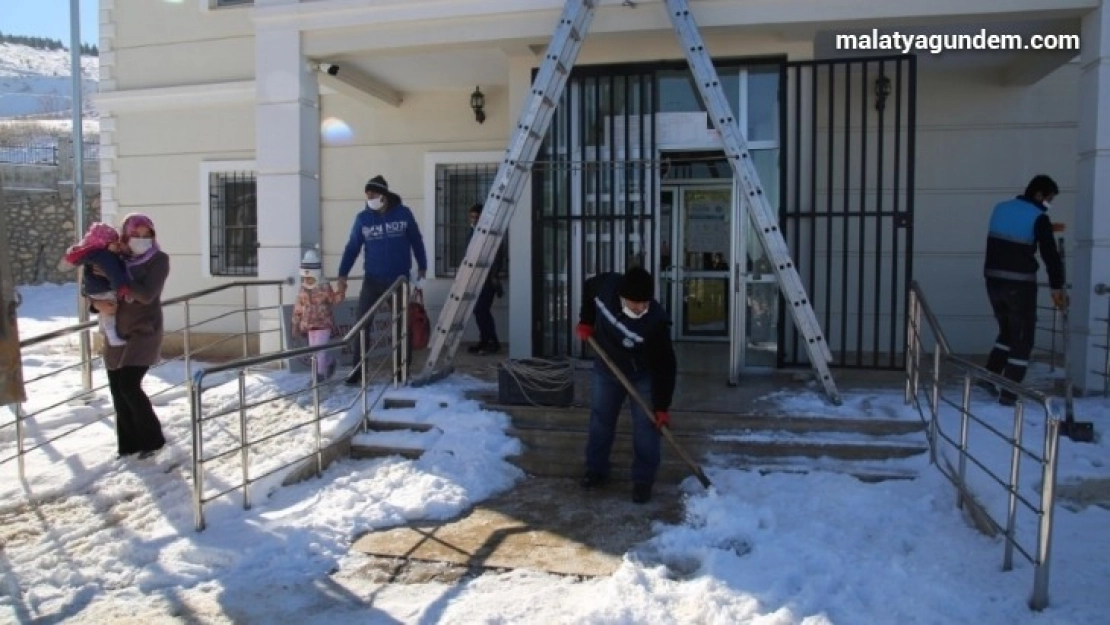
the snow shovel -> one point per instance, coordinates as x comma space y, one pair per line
1078, 431
663, 429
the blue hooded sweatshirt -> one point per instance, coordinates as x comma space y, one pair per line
386, 238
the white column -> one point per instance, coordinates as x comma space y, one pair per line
287, 153
1090, 264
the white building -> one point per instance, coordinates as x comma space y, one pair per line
221, 121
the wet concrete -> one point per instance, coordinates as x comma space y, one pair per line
544, 524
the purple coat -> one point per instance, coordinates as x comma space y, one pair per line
139, 321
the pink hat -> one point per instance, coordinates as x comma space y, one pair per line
98, 236
135, 220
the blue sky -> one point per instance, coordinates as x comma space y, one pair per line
48, 18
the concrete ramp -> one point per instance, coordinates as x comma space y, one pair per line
543, 524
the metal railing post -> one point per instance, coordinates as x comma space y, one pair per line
911, 345
1106, 365
246, 325
244, 448
395, 334
1012, 487
406, 353
965, 413
186, 345
1039, 600
281, 302
198, 446
19, 416
934, 407
316, 413
363, 339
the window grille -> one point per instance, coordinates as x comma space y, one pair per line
233, 220
458, 187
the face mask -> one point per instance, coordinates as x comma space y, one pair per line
140, 245
375, 204
633, 315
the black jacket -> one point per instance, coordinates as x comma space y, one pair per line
635, 345
1018, 229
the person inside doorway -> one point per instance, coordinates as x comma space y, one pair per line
1019, 229
483, 315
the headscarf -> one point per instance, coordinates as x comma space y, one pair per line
135, 220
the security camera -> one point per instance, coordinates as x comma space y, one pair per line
333, 70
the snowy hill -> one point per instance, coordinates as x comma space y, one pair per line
37, 82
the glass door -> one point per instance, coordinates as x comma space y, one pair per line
695, 248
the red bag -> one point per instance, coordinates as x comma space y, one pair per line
420, 327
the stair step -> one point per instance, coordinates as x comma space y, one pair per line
382, 425
673, 470
363, 451
701, 421
574, 441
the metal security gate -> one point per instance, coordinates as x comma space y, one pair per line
594, 185
847, 164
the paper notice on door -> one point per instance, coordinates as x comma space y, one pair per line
707, 227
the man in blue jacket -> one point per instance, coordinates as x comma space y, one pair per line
1019, 228
621, 314
386, 234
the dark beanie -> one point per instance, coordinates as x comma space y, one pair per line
379, 185
637, 285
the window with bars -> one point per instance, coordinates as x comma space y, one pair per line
232, 223
458, 187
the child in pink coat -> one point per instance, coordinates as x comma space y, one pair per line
105, 278
312, 314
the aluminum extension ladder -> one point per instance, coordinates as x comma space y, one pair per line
529, 134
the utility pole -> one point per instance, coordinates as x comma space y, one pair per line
79, 175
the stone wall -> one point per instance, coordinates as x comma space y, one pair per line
40, 228
38, 202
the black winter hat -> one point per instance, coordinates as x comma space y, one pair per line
637, 285
378, 184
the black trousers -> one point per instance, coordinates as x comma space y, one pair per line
137, 427
371, 291
487, 329
1015, 310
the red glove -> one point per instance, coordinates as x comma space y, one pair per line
584, 331
662, 418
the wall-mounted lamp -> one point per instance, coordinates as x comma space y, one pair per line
478, 104
882, 92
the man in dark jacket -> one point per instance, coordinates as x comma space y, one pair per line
1019, 228
386, 235
483, 306
621, 314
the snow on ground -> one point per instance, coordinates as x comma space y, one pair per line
91, 539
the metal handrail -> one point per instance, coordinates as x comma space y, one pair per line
22, 416
1103, 289
918, 309
397, 296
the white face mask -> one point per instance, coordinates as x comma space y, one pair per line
628, 312
375, 204
140, 245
